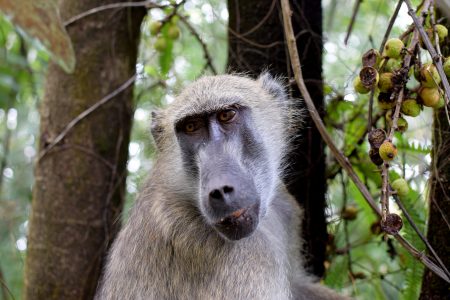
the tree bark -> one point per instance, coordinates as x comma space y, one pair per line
79, 188
433, 287
438, 231
256, 43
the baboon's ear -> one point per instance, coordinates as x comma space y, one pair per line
156, 128
273, 86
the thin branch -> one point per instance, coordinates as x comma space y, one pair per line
419, 233
343, 161
5, 290
263, 20
352, 21
199, 39
85, 113
391, 23
147, 4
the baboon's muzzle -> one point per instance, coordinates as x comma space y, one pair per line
229, 196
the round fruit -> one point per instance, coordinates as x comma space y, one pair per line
173, 32
387, 151
371, 58
393, 48
385, 82
375, 157
155, 27
392, 224
160, 44
430, 96
349, 212
359, 88
369, 77
447, 66
429, 75
402, 124
400, 186
442, 32
376, 137
410, 107
393, 65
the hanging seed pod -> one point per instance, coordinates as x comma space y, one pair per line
371, 58
375, 157
376, 137
392, 224
369, 77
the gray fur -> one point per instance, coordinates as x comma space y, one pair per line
167, 250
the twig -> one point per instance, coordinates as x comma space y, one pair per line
419, 233
352, 21
85, 113
199, 39
147, 4
346, 234
434, 55
384, 191
263, 20
295, 62
391, 23
5, 290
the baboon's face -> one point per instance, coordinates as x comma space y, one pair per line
225, 154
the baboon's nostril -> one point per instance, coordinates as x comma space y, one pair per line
227, 189
216, 194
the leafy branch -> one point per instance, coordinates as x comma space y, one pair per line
343, 161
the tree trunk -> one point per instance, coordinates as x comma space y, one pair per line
79, 188
256, 41
433, 287
438, 231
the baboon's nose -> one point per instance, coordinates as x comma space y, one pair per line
221, 194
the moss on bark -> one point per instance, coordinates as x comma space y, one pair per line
79, 185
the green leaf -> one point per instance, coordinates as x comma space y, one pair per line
337, 274
40, 19
166, 57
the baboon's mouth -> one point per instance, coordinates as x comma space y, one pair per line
240, 223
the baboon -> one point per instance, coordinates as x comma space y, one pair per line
215, 220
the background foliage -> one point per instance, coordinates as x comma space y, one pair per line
377, 267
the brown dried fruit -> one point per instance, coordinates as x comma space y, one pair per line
376, 137
375, 157
369, 77
392, 224
371, 58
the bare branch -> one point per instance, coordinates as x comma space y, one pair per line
199, 39
147, 4
85, 113
391, 23
419, 233
352, 21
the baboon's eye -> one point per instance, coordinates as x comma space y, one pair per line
226, 115
192, 126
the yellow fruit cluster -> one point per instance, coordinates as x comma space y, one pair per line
173, 32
